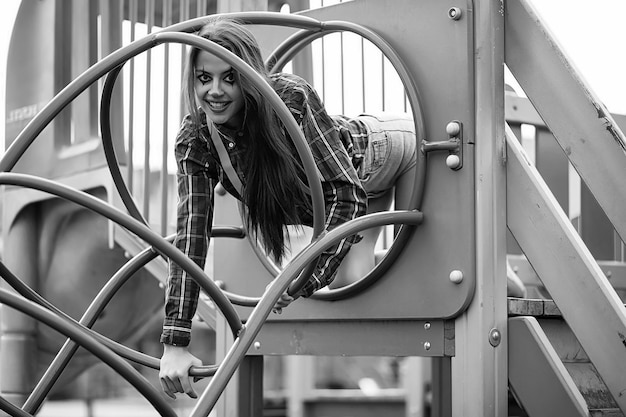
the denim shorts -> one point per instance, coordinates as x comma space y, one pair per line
390, 152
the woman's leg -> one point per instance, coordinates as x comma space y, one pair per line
360, 260
388, 163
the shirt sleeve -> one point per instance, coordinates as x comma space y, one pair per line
344, 196
193, 226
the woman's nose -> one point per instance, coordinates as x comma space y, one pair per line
215, 89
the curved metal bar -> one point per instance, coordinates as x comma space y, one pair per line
65, 96
259, 315
77, 333
7, 407
289, 48
12, 410
285, 52
93, 73
65, 354
136, 227
88, 319
393, 217
280, 108
420, 174
31, 295
253, 18
109, 149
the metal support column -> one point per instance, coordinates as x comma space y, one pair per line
479, 369
251, 386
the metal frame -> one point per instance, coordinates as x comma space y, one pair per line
479, 369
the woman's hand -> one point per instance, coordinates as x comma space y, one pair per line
174, 370
284, 300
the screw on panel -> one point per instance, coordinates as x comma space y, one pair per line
426, 326
454, 13
495, 337
257, 345
426, 345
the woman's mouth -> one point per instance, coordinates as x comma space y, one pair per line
217, 106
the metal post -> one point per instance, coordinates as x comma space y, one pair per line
479, 369
251, 386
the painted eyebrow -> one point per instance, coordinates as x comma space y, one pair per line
230, 71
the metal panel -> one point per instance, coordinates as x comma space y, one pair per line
418, 284
355, 338
536, 375
557, 252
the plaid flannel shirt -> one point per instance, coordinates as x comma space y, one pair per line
335, 152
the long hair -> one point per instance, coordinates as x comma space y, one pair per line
273, 193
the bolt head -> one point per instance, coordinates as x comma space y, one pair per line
453, 128
454, 13
453, 161
495, 337
456, 276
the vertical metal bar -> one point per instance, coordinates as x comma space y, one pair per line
132, 11
479, 369
94, 94
343, 84
250, 395
323, 40
382, 78
183, 14
167, 13
146, 160
363, 77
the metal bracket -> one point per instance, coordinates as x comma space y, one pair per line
454, 145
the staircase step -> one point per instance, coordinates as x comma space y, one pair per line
608, 412
591, 386
599, 400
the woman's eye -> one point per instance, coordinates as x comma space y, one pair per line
203, 78
230, 78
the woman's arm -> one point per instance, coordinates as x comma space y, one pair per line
344, 197
193, 225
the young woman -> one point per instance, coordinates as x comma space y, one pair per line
233, 136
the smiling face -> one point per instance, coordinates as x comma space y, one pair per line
217, 90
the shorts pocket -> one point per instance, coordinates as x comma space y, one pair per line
376, 154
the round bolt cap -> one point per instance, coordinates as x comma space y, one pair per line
456, 276
453, 161
453, 128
